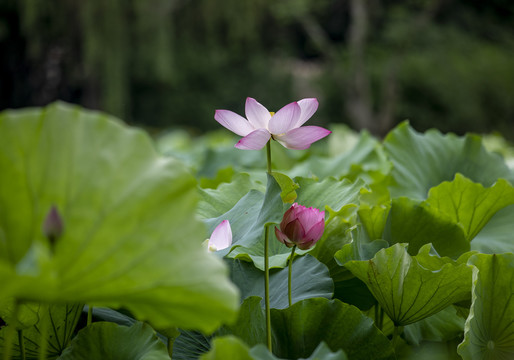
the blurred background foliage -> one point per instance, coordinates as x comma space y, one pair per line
171, 63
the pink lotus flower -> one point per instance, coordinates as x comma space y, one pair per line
221, 237
283, 126
301, 226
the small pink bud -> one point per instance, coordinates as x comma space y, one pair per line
53, 225
301, 226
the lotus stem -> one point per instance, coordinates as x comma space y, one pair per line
289, 291
89, 315
21, 343
396, 335
266, 288
268, 156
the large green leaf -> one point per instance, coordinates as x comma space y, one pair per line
105, 340
469, 203
215, 202
55, 326
300, 328
366, 155
489, 329
410, 289
329, 194
417, 223
498, 235
443, 326
422, 161
231, 347
310, 278
248, 218
130, 234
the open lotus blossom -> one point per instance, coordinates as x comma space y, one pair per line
221, 237
301, 226
284, 126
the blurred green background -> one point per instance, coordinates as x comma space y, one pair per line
170, 63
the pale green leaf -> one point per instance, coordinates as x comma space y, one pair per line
422, 161
105, 340
469, 203
130, 236
411, 288
489, 329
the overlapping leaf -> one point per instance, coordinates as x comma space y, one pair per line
298, 330
230, 347
105, 340
53, 330
310, 278
489, 329
469, 203
412, 288
422, 161
130, 235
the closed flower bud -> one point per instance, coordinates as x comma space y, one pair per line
301, 226
53, 225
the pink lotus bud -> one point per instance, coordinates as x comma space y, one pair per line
53, 224
301, 226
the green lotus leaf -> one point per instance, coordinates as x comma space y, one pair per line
489, 329
248, 218
215, 202
300, 328
329, 194
447, 324
366, 155
54, 328
422, 161
228, 347
310, 278
104, 340
417, 223
411, 288
469, 203
374, 219
288, 187
498, 234
254, 210
130, 235
231, 347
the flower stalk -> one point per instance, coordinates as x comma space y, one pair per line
266, 263
289, 291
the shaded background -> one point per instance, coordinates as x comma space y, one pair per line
170, 63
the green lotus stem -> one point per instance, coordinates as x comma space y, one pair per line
21, 343
43, 345
266, 263
89, 315
396, 335
289, 291
266, 288
381, 318
376, 316
268, 156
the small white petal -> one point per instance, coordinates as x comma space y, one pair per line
221, 237
234, 122
257, 114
